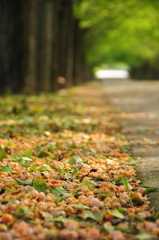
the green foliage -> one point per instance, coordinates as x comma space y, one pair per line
125, 183
22, 213
7, 169
40, 185
124, 147
96, 216
144, 236
88, 183
2, 153
117, 214
150, 189
22, 159
21, 182
119, 31
59, 191
75, 160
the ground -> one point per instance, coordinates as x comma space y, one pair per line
137, 106
66, 168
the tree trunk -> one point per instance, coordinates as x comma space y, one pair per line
40, 43
11, 46
78, 55
56, 46
48, 46
70, 48
30, 13
40, 47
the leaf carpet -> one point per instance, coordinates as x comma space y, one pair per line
66, 171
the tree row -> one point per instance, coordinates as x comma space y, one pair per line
41, 46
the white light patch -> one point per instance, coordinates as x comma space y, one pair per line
112, 74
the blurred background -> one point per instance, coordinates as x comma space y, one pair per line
46, 45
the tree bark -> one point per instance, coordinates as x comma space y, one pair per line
40, 46
11, 46
48, 46
30, 84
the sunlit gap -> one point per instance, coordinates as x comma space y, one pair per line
112, 74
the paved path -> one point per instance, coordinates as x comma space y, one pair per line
137, 107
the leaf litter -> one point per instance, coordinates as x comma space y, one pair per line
66, 171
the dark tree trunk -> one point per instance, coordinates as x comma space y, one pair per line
40, 47
79, 56
65, 37
70, 48
11, 46
55, 46
147, 71
49, 6
30, 26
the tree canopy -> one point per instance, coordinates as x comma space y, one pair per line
119, 31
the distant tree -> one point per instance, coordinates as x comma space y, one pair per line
12, 43
121, 31
41, 46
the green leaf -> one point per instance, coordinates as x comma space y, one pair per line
45, 167
118, 181
26, 158
73, 145
2, 153
44, 214
126, 230
43, 154
88, 183
22, 213
103, 195
11, 190
96, 216
149, 189
24, 183
61, 171
124, 147
58, 146
85, 165
117, 214
15, 157
27, 153
108, 228
51, 147
59, 191
75, 171
7, 169
156, 215
37, 148
125, 183
133, 161
144, 236
24, 161
75, 160
80, 206
33, 168
61, 219
40, 185
16, 201
121, 209
6, 199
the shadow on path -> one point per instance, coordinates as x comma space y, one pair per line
137, 107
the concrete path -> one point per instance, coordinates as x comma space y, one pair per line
137, 107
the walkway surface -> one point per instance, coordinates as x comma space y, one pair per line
137, 107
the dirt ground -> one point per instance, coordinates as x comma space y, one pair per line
136, 105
